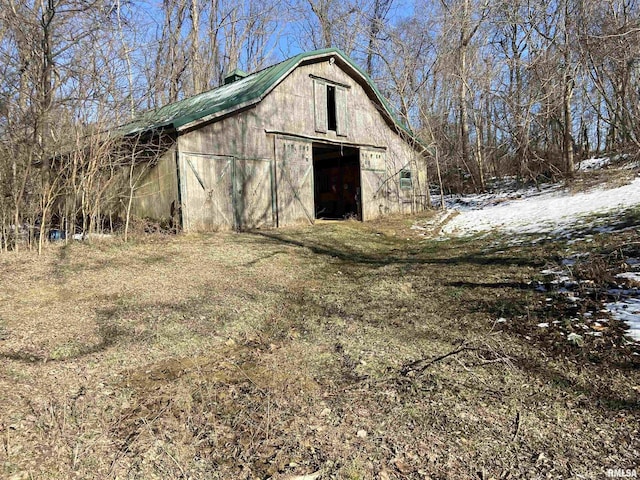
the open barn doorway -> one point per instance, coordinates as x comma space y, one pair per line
336, 175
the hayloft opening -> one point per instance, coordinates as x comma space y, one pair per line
336, 175
332, 119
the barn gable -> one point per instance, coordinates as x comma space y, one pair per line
308, 138
246, 92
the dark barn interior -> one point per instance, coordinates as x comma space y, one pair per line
336, 173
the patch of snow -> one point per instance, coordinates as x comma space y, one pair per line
550, 211
503, 192
633, 276
628, 311
434, 223
543, 325
623, 292
604, 229
551, 271
594, 163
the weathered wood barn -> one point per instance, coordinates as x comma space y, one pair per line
308, 138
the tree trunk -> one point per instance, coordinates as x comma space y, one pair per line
196, 66
464, 126
132, 185
567, 94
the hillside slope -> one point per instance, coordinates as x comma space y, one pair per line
607, 200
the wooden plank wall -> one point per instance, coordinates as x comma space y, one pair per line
157, 189
253, 195
294, 181
225, 193
206, 192
373, 175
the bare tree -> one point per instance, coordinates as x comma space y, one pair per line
377, 19
610, 50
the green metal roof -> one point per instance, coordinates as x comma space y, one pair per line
241, 93
223, 98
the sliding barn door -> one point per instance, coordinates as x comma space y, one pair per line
373, 176
253, 193
226, 193
206, 192
294, 181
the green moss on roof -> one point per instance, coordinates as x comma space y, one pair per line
239, 94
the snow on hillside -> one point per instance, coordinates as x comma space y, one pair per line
548, 211
553, 211
594, 163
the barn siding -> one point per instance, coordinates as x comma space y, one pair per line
247, 193
157, 188
206, 192
254, 200
294, 181
225, 193
373, 176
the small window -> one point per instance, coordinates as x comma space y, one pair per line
405, 179
332, 121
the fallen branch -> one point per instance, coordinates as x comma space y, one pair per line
422, 364
517, 429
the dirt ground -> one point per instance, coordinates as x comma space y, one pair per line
336, 351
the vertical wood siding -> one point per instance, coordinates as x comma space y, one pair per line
294, 181
157, 189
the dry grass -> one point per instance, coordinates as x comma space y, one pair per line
354, 350
611, 177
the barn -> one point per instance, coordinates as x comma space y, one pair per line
306, 139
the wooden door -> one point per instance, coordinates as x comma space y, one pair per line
253, 193
207, 193
294, 181
373, 173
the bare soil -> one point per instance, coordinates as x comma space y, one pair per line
346, 350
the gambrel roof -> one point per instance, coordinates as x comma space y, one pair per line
248, 91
